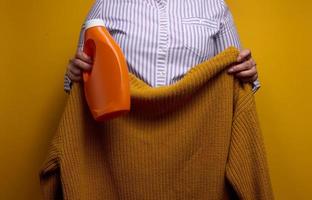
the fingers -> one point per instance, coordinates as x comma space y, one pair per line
246, 71
81, 64
73, 77
76, 65
254, 78
74, 70
83, 56
246, 65
245, 54
249, 79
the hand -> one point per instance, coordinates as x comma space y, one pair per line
245, 69
81, 62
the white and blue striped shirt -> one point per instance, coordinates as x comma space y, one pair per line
163, 39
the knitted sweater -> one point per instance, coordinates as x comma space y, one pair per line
196, 139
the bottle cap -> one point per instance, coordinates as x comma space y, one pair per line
94, 22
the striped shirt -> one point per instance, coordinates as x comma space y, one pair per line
163, 39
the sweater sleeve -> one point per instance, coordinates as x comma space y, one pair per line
51, 185
247, 168
49, 175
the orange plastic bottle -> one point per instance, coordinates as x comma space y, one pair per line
106, 85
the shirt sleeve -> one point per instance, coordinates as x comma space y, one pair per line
95, 12
256, 85
228, 36
67, 84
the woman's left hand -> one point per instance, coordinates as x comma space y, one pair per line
245, 69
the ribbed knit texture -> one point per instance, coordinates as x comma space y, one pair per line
196, 139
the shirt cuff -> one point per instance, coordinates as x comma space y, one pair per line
255, 85
67, 84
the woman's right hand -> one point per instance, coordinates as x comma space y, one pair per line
80, 62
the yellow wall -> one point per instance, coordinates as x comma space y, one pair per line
38, 38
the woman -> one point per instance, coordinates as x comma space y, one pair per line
163, 39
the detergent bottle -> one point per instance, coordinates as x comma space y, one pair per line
106, 85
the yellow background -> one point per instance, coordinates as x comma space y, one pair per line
38, 38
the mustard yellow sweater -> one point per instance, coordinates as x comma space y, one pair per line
196, 139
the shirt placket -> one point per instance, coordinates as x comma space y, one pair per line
161, 70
